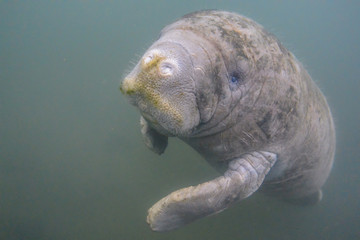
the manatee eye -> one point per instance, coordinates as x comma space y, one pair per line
236, 79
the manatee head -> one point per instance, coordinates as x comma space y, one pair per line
185, 86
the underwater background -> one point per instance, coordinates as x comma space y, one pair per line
72, 161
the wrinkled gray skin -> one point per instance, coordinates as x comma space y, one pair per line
229, 89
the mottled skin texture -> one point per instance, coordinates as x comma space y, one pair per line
229, 89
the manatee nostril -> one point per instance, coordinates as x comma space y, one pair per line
148, 58
166, 69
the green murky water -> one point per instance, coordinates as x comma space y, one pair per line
72, 161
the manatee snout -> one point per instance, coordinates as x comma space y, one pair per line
157, 86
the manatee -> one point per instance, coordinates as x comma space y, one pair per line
224, 85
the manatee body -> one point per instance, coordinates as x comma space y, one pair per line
224, 85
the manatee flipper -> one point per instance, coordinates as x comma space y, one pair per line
155, 141
243, 177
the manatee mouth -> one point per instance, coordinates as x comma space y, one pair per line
149, 101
